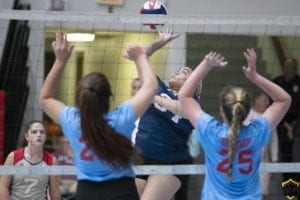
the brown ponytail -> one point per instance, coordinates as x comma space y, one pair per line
93, 101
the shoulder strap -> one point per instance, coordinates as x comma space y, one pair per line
48, 158
18, 155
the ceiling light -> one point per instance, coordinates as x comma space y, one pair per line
80, 37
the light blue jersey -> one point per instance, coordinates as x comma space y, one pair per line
244, 184
89, 166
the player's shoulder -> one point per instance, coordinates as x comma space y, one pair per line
49, 157
18, 155
10, 158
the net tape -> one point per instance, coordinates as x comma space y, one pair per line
145, 169
221, 24
135, 18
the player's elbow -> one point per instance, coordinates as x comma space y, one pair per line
287, 103
42, 102
155, 87
182, 98
151, 86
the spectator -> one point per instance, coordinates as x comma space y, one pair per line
136, 84
290, 82
296, 151
64, 155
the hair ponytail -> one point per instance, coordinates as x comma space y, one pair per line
236, 103
92, 98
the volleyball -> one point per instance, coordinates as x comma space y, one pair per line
153, 7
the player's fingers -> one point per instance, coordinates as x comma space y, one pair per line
64, 39
224, 63
244, 68
71, 48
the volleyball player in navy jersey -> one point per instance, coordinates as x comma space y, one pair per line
100, 138
233, 150
163, 133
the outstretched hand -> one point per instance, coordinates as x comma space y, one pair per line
250, 69
133, 51
61, 48
167, 35
214, 59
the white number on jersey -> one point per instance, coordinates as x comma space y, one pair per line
175, 118
32, 182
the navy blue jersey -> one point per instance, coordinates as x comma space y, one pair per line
161, 134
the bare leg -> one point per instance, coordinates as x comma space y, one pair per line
160, 187
140, 185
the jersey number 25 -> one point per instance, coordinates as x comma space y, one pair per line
244, 157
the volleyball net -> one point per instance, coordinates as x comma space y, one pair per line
193, 169
25, 44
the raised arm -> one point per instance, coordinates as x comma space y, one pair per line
165, 37
144, 96
47, 102
281, 99
191, 108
